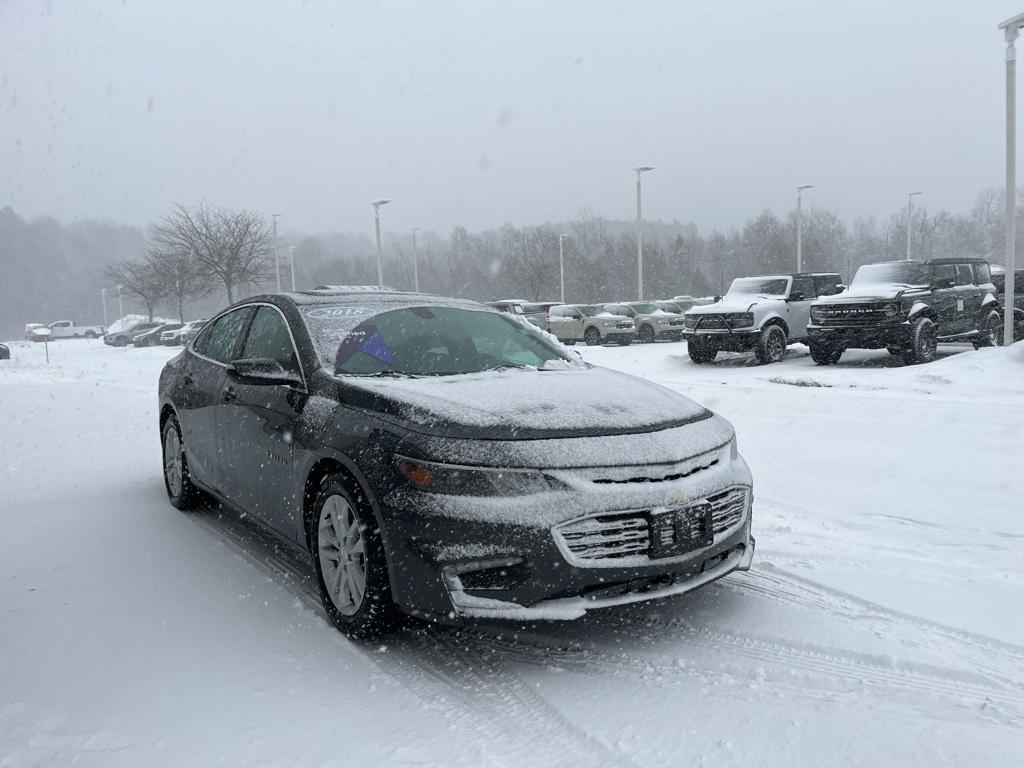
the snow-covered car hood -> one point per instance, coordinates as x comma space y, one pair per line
735, 304
524, 404
873, 293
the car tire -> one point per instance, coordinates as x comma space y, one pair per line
177, 482
990, 331
700, 352
646, 334
358, 601
90, 335
771, 346
923, 342
825, 354
592, 336
568, 342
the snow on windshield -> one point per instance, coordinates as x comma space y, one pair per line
759, 286
424, 341
893, 273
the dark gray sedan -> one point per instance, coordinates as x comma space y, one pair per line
444, 460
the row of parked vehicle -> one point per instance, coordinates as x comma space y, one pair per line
907, 307
150, 334
616, 322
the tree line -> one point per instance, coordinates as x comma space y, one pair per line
196, 258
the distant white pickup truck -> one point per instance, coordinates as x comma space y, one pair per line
66, 329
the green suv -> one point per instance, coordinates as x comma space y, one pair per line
907, 307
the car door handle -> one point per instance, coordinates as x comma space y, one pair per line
229, 394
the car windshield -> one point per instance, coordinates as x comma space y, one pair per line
893, 273
424, 341
668, 306
645, 309
759, 286
618, 309
593, 310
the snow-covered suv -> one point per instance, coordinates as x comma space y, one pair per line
759, 313
592, 323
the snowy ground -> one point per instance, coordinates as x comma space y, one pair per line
881, 625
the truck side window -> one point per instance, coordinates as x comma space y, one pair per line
963, 274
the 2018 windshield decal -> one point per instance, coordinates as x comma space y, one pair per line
332, 312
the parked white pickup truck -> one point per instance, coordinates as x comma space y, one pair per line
66, 329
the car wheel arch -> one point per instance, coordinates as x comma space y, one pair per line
920, 309
776, 320
355, 481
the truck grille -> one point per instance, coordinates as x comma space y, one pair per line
851, 314
610, 538
711, 321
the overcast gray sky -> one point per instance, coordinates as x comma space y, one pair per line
478, 113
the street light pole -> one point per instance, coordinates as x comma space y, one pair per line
415, 262
910, 218
800, 224
376, 228
120, 306
277, 260
1011, 28
291, 263
561, 265
103, 295
639, 235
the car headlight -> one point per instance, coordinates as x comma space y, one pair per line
740, 319
457, 480
891, 310
690, 321
734, 450
664, 321
817, 313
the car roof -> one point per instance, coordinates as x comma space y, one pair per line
955, 260
379, 300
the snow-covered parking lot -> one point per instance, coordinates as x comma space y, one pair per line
881, 625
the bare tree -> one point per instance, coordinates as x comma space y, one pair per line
142, 279
182, 273
233, 247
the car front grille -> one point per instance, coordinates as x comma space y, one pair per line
623, 325
851, 314
614, 538
711, 321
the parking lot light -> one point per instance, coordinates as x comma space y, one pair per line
561, 264
639, 236
910, 218
1011, 28
376, 228
800, 223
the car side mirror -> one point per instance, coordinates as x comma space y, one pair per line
717, 299
264, 370
840, 287
943, 282
797, 296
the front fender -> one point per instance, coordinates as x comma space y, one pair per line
917, 309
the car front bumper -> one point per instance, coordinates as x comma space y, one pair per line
862, 337
448, 565
738, 340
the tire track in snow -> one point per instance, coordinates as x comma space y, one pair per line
997, 659
463, 684
809, 672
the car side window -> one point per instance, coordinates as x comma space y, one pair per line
943, 274
221, 339
826, 286
982, 273
804, 285
268, 337
963, 274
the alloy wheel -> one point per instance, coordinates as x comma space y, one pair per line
172, 461
342, 554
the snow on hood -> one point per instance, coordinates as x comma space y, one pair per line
733, 304
875, 291
526, 404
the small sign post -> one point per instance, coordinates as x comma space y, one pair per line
45, 333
